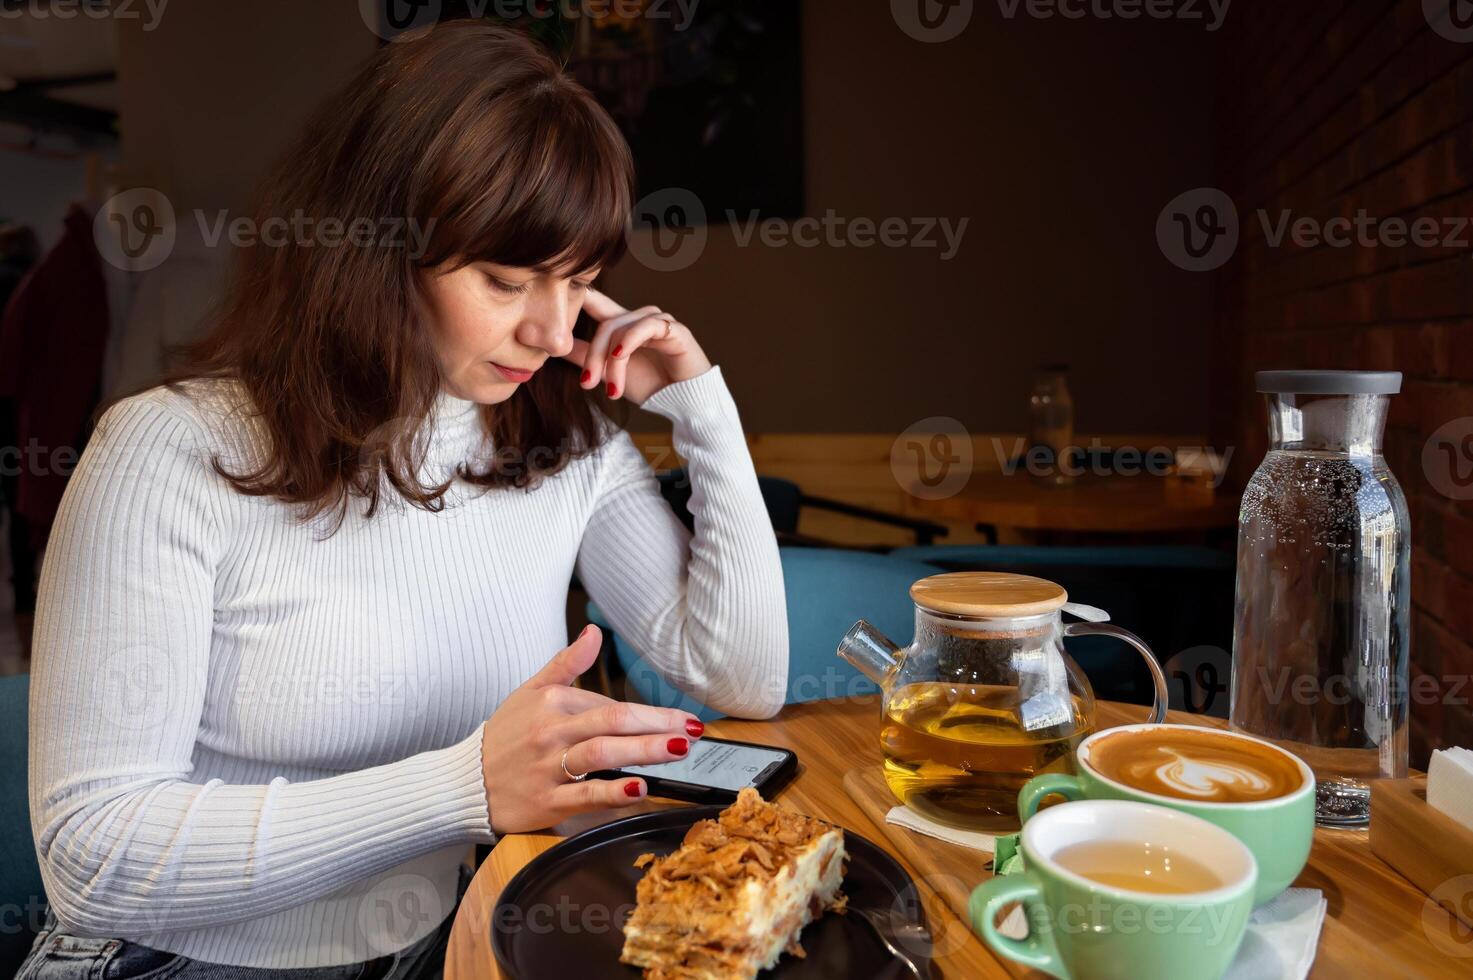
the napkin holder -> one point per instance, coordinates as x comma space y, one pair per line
1425, 845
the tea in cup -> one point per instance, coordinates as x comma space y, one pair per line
1121, 889
1253, 789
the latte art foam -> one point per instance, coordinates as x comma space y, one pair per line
1206, 780
1201, 766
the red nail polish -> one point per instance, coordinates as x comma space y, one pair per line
612, 390
631, 788
694, 728
678, 746
586, 375
618, 350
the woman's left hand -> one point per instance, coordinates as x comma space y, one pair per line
635, 353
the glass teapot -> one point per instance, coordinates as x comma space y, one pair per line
985, 698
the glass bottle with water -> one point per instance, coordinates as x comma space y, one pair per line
1323, 596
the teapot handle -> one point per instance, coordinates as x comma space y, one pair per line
1158, 679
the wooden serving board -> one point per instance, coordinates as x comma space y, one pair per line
1427, 846
947, 871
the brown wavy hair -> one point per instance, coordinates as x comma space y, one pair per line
473, 134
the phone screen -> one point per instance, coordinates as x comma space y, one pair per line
721, 765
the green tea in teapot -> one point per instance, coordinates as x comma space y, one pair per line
985, 697
960, 754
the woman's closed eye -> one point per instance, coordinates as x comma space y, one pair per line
510, 288
518, 288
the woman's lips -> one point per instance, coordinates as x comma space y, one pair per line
515, 375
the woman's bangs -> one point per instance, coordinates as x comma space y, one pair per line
568, 206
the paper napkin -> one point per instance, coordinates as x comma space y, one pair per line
1282, 937
905, 817
1450, 784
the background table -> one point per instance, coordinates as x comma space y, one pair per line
1140, 503
1374, 926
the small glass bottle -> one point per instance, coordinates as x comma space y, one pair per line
1320, 643
1051, 425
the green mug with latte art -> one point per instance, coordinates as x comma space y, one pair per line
1256, 791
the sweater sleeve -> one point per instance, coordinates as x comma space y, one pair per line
126, 841
706, 611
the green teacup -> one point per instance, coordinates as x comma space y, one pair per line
1080, 926
1278, 827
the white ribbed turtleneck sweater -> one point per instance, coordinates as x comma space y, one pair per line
252, 744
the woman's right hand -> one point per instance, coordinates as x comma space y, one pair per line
547, 720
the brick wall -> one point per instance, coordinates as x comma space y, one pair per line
1326, 108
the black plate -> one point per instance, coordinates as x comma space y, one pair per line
562, 915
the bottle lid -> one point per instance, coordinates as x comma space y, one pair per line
988, 595
1329, 382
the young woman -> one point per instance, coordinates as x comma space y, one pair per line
301, 637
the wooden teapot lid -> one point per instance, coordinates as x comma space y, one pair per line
988, 595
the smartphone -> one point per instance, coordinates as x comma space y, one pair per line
714, 770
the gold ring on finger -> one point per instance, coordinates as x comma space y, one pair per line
572, 778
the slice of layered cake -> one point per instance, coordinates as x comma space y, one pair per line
735, 895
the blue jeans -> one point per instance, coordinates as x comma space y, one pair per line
55, 955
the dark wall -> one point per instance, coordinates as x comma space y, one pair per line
1059, 141
1327, 110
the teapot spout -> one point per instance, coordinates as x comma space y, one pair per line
870, 651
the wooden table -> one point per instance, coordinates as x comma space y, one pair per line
1099, 504
1374, 926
